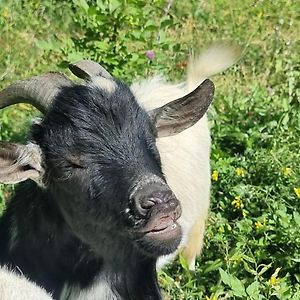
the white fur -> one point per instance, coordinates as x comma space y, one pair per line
185, 156
104, 83
16, 287
100, 289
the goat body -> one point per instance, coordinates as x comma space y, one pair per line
101, 210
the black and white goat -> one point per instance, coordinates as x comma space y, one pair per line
100, 211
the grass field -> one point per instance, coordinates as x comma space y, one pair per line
252, 245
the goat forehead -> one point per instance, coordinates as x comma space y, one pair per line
88, 120
95, 99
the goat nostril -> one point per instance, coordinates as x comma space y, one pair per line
148, 203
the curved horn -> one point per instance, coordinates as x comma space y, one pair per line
38, 91
87, 69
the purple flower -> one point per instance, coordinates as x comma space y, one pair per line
150, 54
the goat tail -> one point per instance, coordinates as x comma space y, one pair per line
211, 61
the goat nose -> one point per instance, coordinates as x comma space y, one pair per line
165, 200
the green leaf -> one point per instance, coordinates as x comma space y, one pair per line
114, 5
82, 4
165, 21
238, 287
285, 119
235, 284
150, 25
103, 45
296, 217
253, 289
248, 258
225, 277
212, 266
296, 296
264, 269
183, 262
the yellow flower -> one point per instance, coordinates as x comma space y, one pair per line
5, 13
237, 202
297, 192
258, 224
240, 172
286, 171
215, 176
273, 279
245, 213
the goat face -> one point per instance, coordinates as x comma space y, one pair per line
95, 153
102, 164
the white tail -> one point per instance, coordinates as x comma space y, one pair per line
211, 61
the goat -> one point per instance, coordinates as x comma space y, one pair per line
17, 287
100, 211
185, 156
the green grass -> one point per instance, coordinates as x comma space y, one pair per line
252, 245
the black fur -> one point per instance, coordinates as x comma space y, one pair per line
95, 146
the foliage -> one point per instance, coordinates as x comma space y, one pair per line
118, 33
253, 237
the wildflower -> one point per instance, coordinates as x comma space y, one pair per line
5, 13
215, 176
297, 192
286, 171
273, 279
258, 224
237, 202
150, 54
240, 172
245, 213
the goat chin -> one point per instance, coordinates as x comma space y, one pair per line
17, 287
185, 156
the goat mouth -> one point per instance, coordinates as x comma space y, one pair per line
162, 226
165, 230
161, 234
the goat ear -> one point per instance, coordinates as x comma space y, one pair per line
20, 162
180, 114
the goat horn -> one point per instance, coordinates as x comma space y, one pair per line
38, 91
87, 69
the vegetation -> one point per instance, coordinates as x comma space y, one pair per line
252, 248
